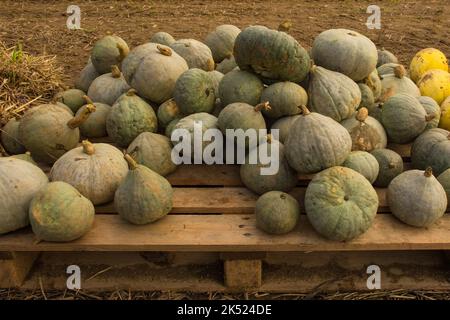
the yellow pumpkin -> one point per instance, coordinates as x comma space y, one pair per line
435, 84
444, 121
427, 59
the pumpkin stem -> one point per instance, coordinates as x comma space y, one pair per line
305, 110
362, 114
131, 92
88, 147
164, 50
262, 105
88, 100
78, 120
399, 71
123, 51
115, 71
28, 153
430, 117
285, 26
391, 165
386, 95
428, 172
131, 162
313, 67
269, 138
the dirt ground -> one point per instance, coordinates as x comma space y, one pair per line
406, 26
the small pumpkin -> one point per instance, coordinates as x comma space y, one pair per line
390, 165
388, 69
340, 203
283, 125
444, 180
276, 212
227, 65
153, 151
399, 83
167, 112
427, 59
197, 54
417, 198
432, 149
108, 87
10, 137
221, 41
435, 84
108, 51
316, 142
86, 76
363, 163
444, 121
431, 107
143, 196
59, 213
26, 157
373, 81
240, 86
162, 37
95, 125
385, 56
73, 98
284, 99
367, 98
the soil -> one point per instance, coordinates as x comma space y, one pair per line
406, 26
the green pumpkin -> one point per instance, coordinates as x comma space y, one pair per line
240, 86
431, 107
417, 198
167, 112
216, 77
345, 51
388, 69
385, 56
285, 179
73, 98
444, 180
108, 51
332, 94
276, 212
221, 41
108, 87
26, 157
272, 55
366, 132
95, 125
129, 117
9, 135
19, 182
390, 165
367, 99
171, 126
398, 82
373, 81
340, 203
432, 149
86, 76
197, 54
227, 65
284, 99
153, 151
143, 196
363, 163
194, 92
283, 125
316, 142
162, 38
59, 213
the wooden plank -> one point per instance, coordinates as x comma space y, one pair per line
14, 271
242, 274
231, 233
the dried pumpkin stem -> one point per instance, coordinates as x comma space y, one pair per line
305, 110
313, 67
362, 114
399, 71
131, 92
262, 105
269, 138
131, 162
115, 71
78, 120
428, 172
391, 165
430, 117
88, 100
164, 50
88, 147
123, 51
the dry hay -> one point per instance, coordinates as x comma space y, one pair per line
25, 81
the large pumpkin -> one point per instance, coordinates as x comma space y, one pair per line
95, 170
283, 125
273, 55
363, 163
10, 137
86, 76
108, 87
108, 51
73, 98
435, 84
432, 149
162, 37
197, 54
221, 41
316, 142
431, 107
284, 99
390, 165
398, 82
240, 86
345, 51
19, 182
385, 56
340, 203
95, 125
427, 59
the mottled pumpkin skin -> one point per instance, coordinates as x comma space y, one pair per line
416, 199
284, 180
373, 81
395, 85
152, 73
221, 41
197, 54
10, 137
387, 69
432, 149
276, 212
363, 163
403, 117
95, 176
194, 92
171, 126
167, 112
240, 86
283, 125
216, 77
332, 94
435, 84
316, 142
425, 60
26, 157
345, 51
153, 151
431, 107
273, 55
129, 117
284, 99
60, 213
105, 53
390, 165
95, 125
73, 98
106, 89
44, 132
444, 180
366, 135
144, 196
19, 182
227, 65
367, 99
385, 56
162, 38
87, 75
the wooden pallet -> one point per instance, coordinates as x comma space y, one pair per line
213, 213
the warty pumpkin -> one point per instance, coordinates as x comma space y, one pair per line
364, 163
427, 59
162, 37
390, 165
73, 98
240, 86
435, 84
221, 41
197, 54
10, 137
108, 51
108, 87
284, 99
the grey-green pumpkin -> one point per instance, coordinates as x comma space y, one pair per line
363, 163
276, 212
10, 137
373, 81
221, 41
283, 125
171, 126
240, 86
398, 82
167, 112
444, 180
108, 87
59, 213
227, 65
86, 76
108, 51
26, 157
129, 117
417, 198
316, 142
385, 56
388, 69
162, 37
95, 125
216, 77
390, 165
340, 203
73, 98
431, 107
284, 99
143, 196
367, 98
197, 54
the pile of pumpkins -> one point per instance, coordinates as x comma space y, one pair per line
336, 107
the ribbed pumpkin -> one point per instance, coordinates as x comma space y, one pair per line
417, 198
276, 212
10, 137
431, 107
194, 92
283, 125
345, 51
435, 84
26, 157
285, 179
167, 112
363, 163
273, 55
385, 56
162, 37
95, 125
332, 94
73, 98
108, 51
153, 151
366, 132
19, 182
399, 83
284, 99
108, 87
129, 117
427, 59
143, 196
48, 131
390, 165
221, 41
432, 149
316, 142
59, 213
227, 65
444, 180
340, 203
197, 54
444, 121
95, 170
86, 76
152, 69
240, 86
